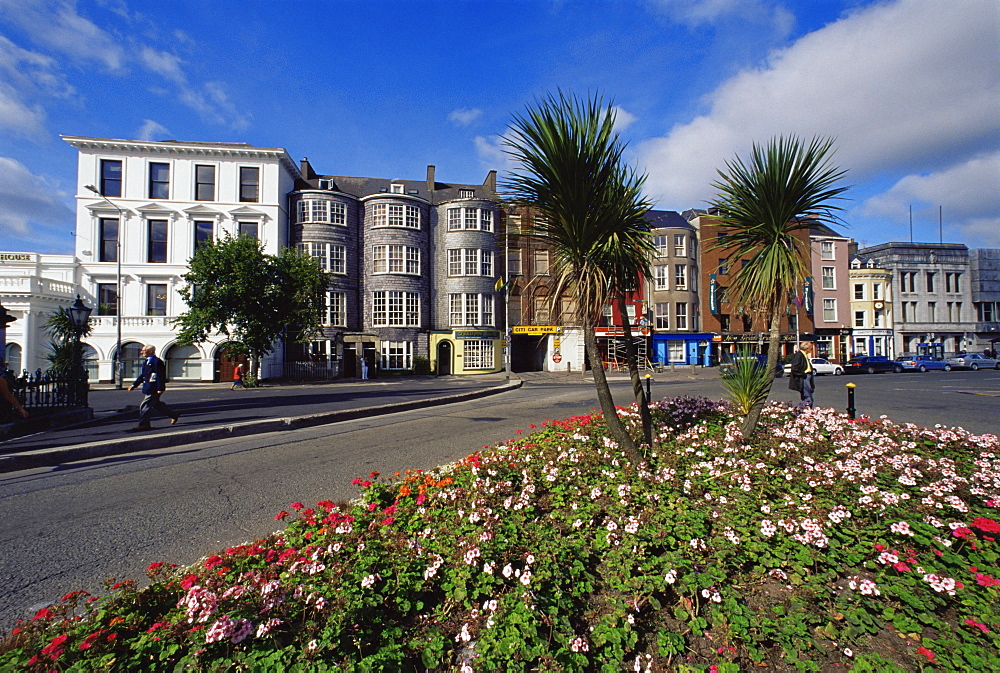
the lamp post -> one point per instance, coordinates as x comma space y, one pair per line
79, 314
116, 363
5, 319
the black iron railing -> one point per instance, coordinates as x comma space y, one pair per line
46, 392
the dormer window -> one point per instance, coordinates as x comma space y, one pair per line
396, 188
466, 193
855, 263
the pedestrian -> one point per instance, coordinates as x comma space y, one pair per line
9, 404
153, 379
364, 368
801, 377
237, 376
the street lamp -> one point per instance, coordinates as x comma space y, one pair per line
116, 364
79, 314
5, 319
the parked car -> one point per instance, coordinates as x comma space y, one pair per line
973, 361
870, 364
923, 363
759, 359
821, 366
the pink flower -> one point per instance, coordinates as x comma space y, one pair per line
988, 525
982, 627
297, 505
242, 630
927, 653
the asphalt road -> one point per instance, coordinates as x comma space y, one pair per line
72, 526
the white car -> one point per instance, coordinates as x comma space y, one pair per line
821, 366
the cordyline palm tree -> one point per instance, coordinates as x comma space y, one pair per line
785, 188
591, 213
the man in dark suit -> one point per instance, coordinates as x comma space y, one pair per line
153, 379
802, 375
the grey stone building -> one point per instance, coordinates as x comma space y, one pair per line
984, 270
412, 266
932, 295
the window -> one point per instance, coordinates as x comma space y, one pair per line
675, 350
681, 315
930, 281
860, 346
332, 256
204, 183
396, 188
958, 311
471, 309
397, 355
466, 193
876, 291
156, 299
541, 310
879, 319
396, 259
395, 308
251, 229
660, 277
829, 280
514, 310
514, 224
109, 240
470, 218
986, 311
111, 177
680, 276
336, 309
950, 308
662, 318
541, 262
202, 234
830, 310
107, 299
156, 246
159, 181
514, 263
394, 215
567, 310
859, 290
470, 262
724, 322
454, 219
859, 318
723, 266
793, 322
319, 210
660, 243
951, 282
249, 184
931, 311
478, 354
907, 281
826, 250
680, 245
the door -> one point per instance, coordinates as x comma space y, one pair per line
444, 356
350, 360
225, 364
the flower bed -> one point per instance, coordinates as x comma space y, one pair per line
862, 545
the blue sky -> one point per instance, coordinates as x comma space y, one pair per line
909, 88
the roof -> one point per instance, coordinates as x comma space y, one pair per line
663, 219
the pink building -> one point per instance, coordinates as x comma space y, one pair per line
831, 305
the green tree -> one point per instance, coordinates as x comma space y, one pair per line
235, 289
63, 341
786, 188
571, 173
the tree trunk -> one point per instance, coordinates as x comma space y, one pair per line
632, 360
615, 426
750, 424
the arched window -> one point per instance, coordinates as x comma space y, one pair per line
183, 363
13, 357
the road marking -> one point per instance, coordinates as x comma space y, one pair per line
969, 392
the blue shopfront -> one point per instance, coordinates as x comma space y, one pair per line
682, 349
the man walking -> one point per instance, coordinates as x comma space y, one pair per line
801, 377
153, 381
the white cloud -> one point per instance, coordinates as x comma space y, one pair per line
903, 86
212, 103
464, 116
25, 76
152, 130
623, 118
164, 64
57, 26
697, 13
29, 200
491, 154
967, 193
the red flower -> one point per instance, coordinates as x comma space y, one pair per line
388, 520
55, 648
280, 515
188, 581
44, 613
90, 640
155, 565
213, 561
297, 505
988, 525
927, 653
962, 532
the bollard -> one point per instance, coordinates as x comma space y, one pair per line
850, 400
648, 395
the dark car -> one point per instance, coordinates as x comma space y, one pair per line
923, 363
758, 359
871, 364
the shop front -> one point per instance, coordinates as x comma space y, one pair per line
682, 349
725, 345
466, 352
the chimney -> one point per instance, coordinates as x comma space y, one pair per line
306, 169
491, 181
430, 179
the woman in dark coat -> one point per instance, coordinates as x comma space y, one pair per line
801, 377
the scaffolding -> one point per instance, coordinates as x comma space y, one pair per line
617, 360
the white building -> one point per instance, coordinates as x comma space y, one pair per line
33, 287
142, 209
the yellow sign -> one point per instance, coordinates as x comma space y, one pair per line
535, 329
